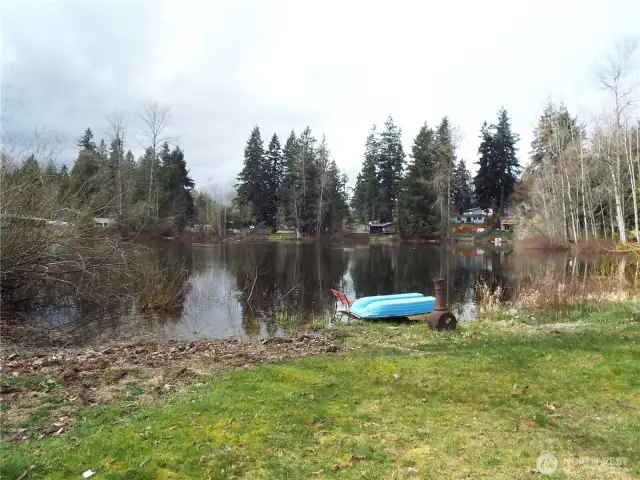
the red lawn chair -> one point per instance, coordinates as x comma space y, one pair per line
343, 299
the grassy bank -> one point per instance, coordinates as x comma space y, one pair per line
481, 402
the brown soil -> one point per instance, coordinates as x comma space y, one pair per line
65, 379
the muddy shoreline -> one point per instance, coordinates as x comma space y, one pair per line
65, 379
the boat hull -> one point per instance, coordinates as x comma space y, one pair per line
390, 306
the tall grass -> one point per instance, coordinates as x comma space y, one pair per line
555, 292
164, 288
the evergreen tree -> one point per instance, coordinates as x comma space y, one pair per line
288, 203
322, 184
552, 136
141, 177
253, 179
390, 167
102, 151
338, 211
85, 179
50, 172
461, 187
445, 153
307, 168
486, 179
498, 164
417, 211
112, 175
176, 201
274, 178
86, 141
64, 185
365, 194
507, 160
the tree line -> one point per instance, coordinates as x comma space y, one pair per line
299, 186
423, 193
584, 175
153, 191
296, 186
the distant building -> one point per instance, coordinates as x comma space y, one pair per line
104, 222
361, 228
386, 228
261, 229
508, 223
476, 215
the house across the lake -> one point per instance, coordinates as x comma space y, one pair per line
104, 222
476, 216
508, 223
260, 229
386, 228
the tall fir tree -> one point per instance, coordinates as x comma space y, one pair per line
86, 141
252, 186
288, 203
275, 171
102, 151
462, 187
338, 211
486, 180
365, 195
552, 136
85, 181
445, 153
390, 167
498, 164
308, 172
507, 159
418, 214
176, 201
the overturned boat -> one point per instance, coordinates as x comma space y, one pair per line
414, 306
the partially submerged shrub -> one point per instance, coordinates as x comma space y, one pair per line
164, 288
52, 254
44, 256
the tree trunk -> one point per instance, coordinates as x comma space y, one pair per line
632, 175
565, 227
584, 199
617, 195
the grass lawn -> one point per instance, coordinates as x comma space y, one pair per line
462, 235
506, 234
481, 402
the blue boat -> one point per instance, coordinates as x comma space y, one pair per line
409, 305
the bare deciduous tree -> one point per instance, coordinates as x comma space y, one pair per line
154, 124
116, 134
615, 75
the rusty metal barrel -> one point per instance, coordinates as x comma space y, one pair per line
441, 318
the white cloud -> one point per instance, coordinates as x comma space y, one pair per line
336, 66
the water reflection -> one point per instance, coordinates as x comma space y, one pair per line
242, 290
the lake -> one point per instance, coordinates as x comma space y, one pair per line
268, 289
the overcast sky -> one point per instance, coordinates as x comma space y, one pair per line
337, 66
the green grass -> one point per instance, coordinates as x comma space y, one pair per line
462, 235
383, 238
481, 402
281, 236
499, 233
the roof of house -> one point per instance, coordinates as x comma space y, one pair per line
386, 224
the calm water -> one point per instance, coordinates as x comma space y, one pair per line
256, 290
